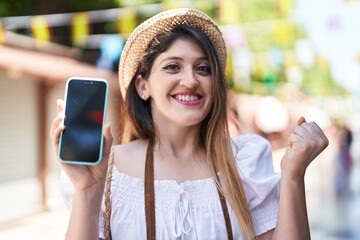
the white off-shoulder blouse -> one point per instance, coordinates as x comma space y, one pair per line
192, 209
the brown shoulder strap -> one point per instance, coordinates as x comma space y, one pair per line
107, 196
149, 192
226, 215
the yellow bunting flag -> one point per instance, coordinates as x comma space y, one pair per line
229, 12
2, 34
283, 33
351, 1
80, 28
40, 29
127, 21
285, 6
358, 57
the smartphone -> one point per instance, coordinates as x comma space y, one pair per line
85, 109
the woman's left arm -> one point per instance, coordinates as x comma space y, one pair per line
305, 143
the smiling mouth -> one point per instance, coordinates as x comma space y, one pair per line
187, 98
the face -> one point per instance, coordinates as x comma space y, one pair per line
179, 86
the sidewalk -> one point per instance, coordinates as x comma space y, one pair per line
47, 225
21, 217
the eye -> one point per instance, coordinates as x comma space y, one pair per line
203, 70
171, 67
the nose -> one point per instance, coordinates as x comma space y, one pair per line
188, 79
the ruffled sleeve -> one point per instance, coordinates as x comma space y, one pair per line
261, 184
67, 190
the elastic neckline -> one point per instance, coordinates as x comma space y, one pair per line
168, 182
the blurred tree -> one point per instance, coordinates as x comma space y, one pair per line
258, 10
318, 81
132, 3
35, 7
16, 7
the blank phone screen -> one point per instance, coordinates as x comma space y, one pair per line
84, 113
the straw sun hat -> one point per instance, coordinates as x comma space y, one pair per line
140, 38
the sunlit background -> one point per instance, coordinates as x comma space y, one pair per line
286, 59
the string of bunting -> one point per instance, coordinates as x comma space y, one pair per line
40, 26
126, 19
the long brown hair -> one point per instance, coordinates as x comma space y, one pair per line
214, 134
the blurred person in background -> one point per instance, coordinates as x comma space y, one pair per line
271, 120
234, 123
182, 176
343, 159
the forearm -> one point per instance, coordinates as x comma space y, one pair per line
84, 219
306, 142
292, 220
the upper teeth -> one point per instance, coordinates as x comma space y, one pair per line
187, 97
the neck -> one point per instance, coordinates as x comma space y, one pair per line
178, 142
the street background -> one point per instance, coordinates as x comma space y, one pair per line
286, 59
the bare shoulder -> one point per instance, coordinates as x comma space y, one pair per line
129, 158
131, 147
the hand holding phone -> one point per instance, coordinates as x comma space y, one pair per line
81, 176
81, 142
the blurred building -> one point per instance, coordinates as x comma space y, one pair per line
32, 77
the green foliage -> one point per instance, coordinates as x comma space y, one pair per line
135, 3
319, 82
17, 7
35, 7
258, 10
279, 32
86, 5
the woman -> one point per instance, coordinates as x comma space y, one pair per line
182, 176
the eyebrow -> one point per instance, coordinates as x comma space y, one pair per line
171, 58
180, 58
